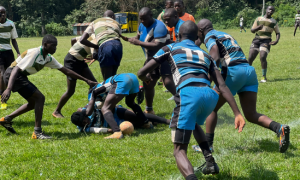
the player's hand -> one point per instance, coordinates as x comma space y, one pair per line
259, 27
134, 41
91, 83
123, 37
239, 122
147, 79
90, 61
18, 55
5, 96
273, 43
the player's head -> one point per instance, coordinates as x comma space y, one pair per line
298, 11
241, 16
79, 118
171, 17
146, 17
188, 30
179, 6
110, 14
204, 26
2, 13
169, 4
270, 10
49, 43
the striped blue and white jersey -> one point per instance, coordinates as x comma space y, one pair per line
108, 86
189, 63
230, 52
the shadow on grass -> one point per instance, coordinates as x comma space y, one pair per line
224, 118
283, 79
31, 123
165, 114
146, 131
63, 136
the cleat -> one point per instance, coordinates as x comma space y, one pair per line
3, 106
263, 80
149, 112
198, 149
140, 95
41, 135
115, 135
148, 125
211, 167
7, 125
284, 138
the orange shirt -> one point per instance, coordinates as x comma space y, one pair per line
185, 17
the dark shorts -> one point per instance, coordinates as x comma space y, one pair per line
110, 53
163, 70
261, 45
6, 58
297, 23
181, 136
74, 64
22, 85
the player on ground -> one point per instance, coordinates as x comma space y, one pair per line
153, 35
74, 61
30, 62
172, 20
194, 99
263, 27
240, 78
111, 92
109, 46
297, 21
7, 32
242, 24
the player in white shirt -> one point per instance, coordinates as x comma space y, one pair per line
242, 24
297, 21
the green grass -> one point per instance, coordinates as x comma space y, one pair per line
148, 154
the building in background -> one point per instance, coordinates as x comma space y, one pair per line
79, 28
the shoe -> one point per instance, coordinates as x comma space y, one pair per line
198, 149
115, 135
149, 112
211, 167
148, 125
3, 106
7, 125
171, 98
263, 79
41, 135
284, 138
245, 30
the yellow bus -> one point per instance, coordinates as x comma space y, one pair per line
128, 20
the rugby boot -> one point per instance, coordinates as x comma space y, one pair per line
211, 167
284, 138
7, 125
149, 112
115, 135
3, 106
148, 125
198, 149
263, 79
41, 135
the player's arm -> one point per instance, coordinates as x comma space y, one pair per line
147, 45
74, 75
73, 41
84, 40
214, 53
198, 42
255, 27
15, 45
96, 92
217, 78
13, 76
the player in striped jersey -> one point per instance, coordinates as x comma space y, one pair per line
74, 61
194, 98
297, 21
263, 28
7, 33
240, 78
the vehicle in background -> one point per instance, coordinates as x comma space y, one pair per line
128, 20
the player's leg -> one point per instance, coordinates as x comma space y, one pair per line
296, 26
149, 94
108, 71
264, 64
182, 161
169, 83
254, 50
2, 84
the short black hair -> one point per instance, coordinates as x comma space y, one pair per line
49, 38
180, 1
77, 118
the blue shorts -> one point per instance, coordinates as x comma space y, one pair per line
193, 105
110, 53
126, 84
241, 78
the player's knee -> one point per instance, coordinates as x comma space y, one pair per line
70, 92
40, 98
250, 115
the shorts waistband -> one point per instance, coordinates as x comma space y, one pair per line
197, 84
236, 62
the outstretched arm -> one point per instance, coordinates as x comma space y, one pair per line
150, 66
13, 76
74, 75
84, 40
147, 45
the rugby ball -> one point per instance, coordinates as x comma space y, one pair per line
126, 128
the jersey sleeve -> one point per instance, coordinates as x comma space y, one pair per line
139, 29
192, 18
276, 28
210, 42
14, 34
26, 60
53, 64
90, 29
162, 55
160, 33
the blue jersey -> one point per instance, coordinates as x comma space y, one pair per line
188, 62
230, 52
108, 85
179, 23
157, 32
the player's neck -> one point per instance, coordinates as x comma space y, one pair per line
266, 16
3, 21
44, 52
181, 14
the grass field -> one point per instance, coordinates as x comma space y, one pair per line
148, 154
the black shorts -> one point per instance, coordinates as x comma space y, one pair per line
261, 45
6, 58
74, 64
297, 23
22, 85
181, 136
163, 70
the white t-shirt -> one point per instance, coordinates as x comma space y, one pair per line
241, 21
7, 32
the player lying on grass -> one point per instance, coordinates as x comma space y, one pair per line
240, 78
194, 99
30, 62
110, 93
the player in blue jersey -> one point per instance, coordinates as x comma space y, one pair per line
153, 35
171, 19
194, 98
240, 78
111, 92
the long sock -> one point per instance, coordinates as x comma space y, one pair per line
7, 118
140, 114
109, 117
275, 126
37, 130
264, 72
210, 138
191, 177
206, 151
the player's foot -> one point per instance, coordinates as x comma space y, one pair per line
245, 30
284, 138
263, 79
211, 167
171, 98
149, 112
41, 135
57, 114
198, 149
3, 106
115, 135
7, 125
240, 31
148, 125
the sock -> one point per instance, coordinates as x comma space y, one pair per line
264, 72
275, 126
191, 177
7, 118
206, 151
37, 130
210, 138
109, 118
149, 108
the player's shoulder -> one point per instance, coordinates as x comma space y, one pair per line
211, 34
159, 24
9, 21
273, 20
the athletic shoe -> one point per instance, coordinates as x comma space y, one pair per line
171, 98
149, 112
115, 135
7, 125
211, 167
263, 79
198, 149
148, 125
284, 140
41, 135
245, 30
3, 106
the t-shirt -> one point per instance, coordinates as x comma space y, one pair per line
185, 17
105, 29
176, 29
269, 25
241, 21
7, 31
297, 17
32, 61
157, 32
80, 51
160, 16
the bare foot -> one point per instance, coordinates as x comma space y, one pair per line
57, 114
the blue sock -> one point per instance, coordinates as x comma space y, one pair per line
264, 72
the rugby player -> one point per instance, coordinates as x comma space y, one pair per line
297, 21
172, 20
242, 24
